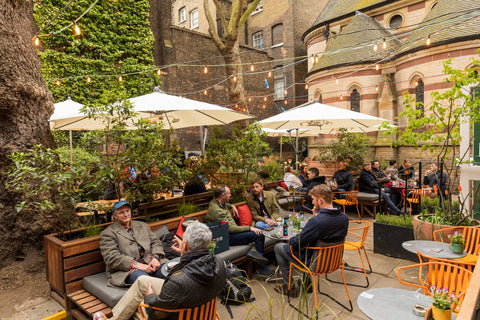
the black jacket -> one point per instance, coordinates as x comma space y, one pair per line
197, 279
312, 183
367, 182
344, 179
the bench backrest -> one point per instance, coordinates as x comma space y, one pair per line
165, 206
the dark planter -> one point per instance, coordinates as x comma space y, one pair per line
388, 239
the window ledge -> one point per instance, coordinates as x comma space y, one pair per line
277, 45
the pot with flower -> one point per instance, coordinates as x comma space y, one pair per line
296, 219
457, 242
443, 304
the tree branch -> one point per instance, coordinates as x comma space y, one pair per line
211, 27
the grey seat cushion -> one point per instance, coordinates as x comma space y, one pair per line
364, 196
96, 284
161, 231
234, 252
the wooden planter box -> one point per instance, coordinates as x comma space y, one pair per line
388, 239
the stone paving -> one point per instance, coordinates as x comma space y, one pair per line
271, 305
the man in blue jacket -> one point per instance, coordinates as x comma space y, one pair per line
328, 224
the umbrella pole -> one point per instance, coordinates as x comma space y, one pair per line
296, 149
71, 148
281, 145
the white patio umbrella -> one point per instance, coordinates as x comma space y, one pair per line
177, 112
317, 118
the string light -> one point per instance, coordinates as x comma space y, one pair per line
76, 29
375, 47
285, 102
205, 70
235, 78
428, 41
377, 67
384, 46
376, 88
285, 92
341, 97
316, 59
159, 72
252, 68
306, 87
249, 99
264, 98
120, 78
263, 107
269, 74
336, 80
205, 92
89, 79
36, 40
416, 83
57, 82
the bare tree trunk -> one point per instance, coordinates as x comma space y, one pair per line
236, 92
25, 106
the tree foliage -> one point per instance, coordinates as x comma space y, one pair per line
116, 40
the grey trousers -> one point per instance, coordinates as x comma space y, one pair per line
283, 260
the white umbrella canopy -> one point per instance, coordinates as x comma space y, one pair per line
317, 118
177, 112
65, 112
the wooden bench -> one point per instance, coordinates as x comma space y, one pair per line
68, 262
166, 206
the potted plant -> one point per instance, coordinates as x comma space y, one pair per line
456, 241
436, 128
389, 232
442, 305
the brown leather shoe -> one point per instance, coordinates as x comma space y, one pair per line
283, 289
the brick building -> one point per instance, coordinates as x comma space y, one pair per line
348, 72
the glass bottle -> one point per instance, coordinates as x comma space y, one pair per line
285, 227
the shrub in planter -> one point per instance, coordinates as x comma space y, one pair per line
389, 232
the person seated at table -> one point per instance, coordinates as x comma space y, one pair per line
197, 279
219, 210
290, 162
368, 184
381, 178
290, 179
263, 205
432, 179
392, 171
315, 179
343, 178
328, 224
303, 175
129, 248
406, 172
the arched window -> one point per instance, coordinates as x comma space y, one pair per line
355, 100
419, 96
277, 35
318, 96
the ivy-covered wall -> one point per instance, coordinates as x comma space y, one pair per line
116, 40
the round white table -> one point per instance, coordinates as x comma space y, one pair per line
432, 249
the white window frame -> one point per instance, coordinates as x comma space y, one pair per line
258, 9
182, 14
194, 19
258, 40
279, 91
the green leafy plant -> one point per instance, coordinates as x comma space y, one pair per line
273, 166
211, 246
442, 299
457, 237
404, 221
436, 128
93, 230
185, 208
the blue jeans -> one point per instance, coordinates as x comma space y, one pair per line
242, 238
390, 204
132, 277
262, 225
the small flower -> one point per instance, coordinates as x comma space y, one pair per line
457, 237
442, 299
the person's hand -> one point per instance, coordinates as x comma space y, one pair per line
270, 222
234, 212
154, 264
149, 289
143, 267
256, 230
178, 245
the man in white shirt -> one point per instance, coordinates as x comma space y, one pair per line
290, 179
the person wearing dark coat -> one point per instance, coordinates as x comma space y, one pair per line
314, 180
343, 178
196, 279
436, 179
368, 184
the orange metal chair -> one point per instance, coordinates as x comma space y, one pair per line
350, 200
205, 311
324, 260
471, 239
440, 275
416, 195
424, 258
357, 232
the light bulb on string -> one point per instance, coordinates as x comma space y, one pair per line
377, 67
236, 106
205, 69
376, 88
76, 29
428, 41
89, 79
384, 45
120, 78
36, 40
57, 82
159, 72
269, 74
336, 80
285, 92
416, 83
235, 78
341, 97
306, 86
205, 92
285, 102
252, 68
264, 98
375, 47
249, 99
263, 107
316, 59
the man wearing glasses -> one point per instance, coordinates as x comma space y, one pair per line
129, 248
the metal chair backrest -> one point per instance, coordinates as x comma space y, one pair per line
424, 258
352, 197
205, 311
359, 229
471, 237
326, 259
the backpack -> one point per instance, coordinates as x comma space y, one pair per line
236, 290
